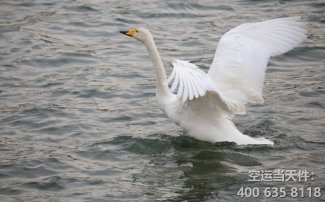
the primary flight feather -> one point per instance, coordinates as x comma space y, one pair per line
205, 103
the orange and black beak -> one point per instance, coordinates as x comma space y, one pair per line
130, 32
124, 32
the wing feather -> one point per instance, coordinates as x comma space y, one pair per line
186, 89
241, 58
189, 81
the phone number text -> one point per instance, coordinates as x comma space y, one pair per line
280, 192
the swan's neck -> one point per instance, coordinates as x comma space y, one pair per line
162, 86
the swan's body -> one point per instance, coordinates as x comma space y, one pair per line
204, 104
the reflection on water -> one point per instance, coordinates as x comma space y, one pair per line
78, 115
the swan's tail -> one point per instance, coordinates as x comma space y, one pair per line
234, 135
245, 140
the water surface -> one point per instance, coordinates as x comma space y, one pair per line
78, 116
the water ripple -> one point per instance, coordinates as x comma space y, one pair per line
78, 116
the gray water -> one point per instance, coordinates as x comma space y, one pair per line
79, 120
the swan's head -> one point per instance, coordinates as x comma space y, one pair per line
140, 34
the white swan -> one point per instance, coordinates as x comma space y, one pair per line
204, 103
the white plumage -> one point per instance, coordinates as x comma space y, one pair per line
190, 80
204, 104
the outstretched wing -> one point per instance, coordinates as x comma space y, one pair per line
189, 81
239, 64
